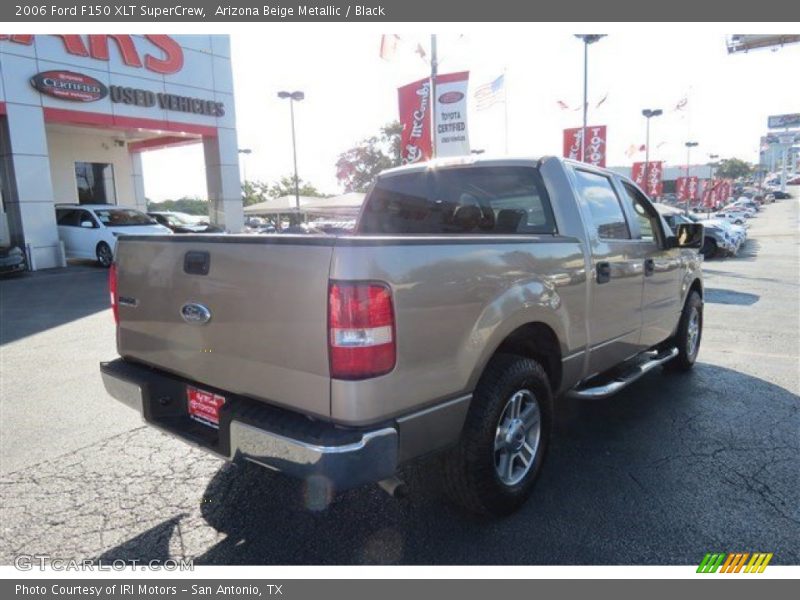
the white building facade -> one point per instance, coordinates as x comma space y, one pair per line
78, 111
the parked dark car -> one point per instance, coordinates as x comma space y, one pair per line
183, 223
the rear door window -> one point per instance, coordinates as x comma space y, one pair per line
68, 216
604, 208
463, 200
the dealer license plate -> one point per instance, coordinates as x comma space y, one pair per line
204, 406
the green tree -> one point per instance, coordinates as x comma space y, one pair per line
285, 187
733, 168
358, 166
254, 192
190, 206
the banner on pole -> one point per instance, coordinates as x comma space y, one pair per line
414, 102
654, 186
452, 133
686, 188
595, 144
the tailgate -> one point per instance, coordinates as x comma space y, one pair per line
267, 299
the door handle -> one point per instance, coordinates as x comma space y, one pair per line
649, 267
603, 272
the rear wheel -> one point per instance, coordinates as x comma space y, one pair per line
104, 255
493, 468
690, 330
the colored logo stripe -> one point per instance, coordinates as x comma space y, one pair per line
733, 562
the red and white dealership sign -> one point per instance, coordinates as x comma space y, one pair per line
654, 186
595, 151
165, 55
415, 105
686, 188
452, 135
68, 85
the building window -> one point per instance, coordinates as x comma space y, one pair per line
95, 183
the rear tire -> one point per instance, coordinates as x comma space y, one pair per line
505, 438
104, 255
690, 331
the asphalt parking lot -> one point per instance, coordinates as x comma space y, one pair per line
673, 467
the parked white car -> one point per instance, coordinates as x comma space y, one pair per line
91, 230
735, 217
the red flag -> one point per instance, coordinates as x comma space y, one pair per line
595, 150
653, 185
686, 188
389, 43
414, 102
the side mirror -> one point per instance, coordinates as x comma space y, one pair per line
87, 224
688, 235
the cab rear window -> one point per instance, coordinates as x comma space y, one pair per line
463, 200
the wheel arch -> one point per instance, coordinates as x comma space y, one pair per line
538, 341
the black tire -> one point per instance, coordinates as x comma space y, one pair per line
709, 249
470, 473
104, 255
687, 353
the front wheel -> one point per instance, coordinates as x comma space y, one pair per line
690, 330
104, 255
493, 468
709, 248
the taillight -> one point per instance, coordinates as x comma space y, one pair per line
361, 330
112, 291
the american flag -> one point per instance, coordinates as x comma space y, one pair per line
491, 93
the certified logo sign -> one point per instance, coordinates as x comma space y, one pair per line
67, 85
451, 97
195, 314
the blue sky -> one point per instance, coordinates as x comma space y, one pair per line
351, 92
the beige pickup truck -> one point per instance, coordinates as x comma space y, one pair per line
472, 295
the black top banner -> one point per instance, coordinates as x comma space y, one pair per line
399, 11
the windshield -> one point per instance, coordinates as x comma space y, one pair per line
122, 217
178, 219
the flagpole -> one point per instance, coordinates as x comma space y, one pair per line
434, 68
505, 105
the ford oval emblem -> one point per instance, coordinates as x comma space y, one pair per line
195, 314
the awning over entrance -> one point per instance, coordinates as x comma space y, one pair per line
344, 205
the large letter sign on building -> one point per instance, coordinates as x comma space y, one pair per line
76, 104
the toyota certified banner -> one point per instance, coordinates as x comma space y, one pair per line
654, 185
595, 152
686, 188
415, 106
452, 135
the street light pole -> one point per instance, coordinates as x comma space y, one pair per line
245, 151
648, 113
587, 38
689, 146
294, 97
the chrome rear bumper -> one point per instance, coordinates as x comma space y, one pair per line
334, 457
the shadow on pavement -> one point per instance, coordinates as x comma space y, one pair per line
721, 296
671, 467
34, 302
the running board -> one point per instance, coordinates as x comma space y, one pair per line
609, 389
